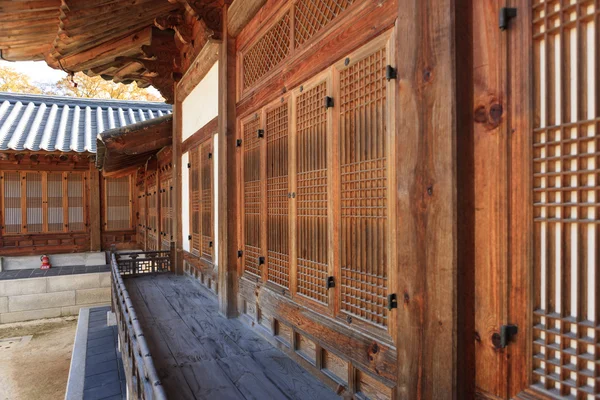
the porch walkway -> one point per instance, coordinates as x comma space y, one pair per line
201, 355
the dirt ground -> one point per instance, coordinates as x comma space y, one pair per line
37, 369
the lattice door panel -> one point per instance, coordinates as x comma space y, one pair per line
310, 16
142, 217
207, 203
118, 203
267, 52
195, 200
566, 148
55, 202
278, 237
152, 215
311, 202
252, 196
363, 161
75, 202
34, 202
12, 212
166, 211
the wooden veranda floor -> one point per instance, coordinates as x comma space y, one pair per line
201, 355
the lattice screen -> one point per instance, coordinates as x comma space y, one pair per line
75, 202
195, 201
364, 264
566, 143
278, 236
142, 217
267, 52
166, 210
152, 215
13, 216
118, 203
310, 16
252, 197
207, 204
34, 199
311, 124
56, 220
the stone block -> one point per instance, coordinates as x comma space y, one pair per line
105, 279
29, 315
41, 301
19, 287
73, 282
3, 305
93, 296
69, 311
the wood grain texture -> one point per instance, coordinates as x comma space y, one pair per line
240, 13
426, 173
176, 193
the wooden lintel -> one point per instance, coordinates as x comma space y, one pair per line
240, 13
204, 61
201, 135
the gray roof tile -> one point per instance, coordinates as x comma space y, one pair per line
52, 123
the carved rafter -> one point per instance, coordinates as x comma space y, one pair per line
209, 11
176, 21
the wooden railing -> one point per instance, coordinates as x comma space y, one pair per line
143, 262
142, 378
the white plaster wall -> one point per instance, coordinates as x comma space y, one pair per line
216, 197
201, 105
185, 200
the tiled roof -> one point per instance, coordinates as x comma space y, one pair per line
52, 123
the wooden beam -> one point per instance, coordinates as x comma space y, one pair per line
177, 257
201, 135
426, 182
240, 13
204, 61
94, 204
227, 201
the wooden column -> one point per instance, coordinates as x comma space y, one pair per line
427, 212
228, 176
177, 258
94, 204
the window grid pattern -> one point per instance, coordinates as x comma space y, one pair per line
55, 202
267, 52
310, 16
166, 211
152, 214
312, 260
195, 200
252, 197
118, 203
33, 202
566, 347
364, 264
207, 204
13, 216
75, 202
278, 263
142, 217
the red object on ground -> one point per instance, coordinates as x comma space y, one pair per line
45, 262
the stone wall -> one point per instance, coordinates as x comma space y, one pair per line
53, 296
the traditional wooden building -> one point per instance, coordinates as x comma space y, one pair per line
53, 199
402, 195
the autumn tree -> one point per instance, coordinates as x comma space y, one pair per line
13, 81
82, 85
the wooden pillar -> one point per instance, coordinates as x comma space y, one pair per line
228, 175
177, 266
426, 203
94, 204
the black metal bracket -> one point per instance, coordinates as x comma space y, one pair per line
506, 334
209, 155
390, 73
260, 133
189, 165
505, 15
392, 301
210, 244
240, 253
328, 102
330, 282
261, 260
189, 237
238, 143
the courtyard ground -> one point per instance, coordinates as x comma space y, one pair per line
36, 366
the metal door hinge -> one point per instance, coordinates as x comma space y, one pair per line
189, 165
506, 334
328, 102
260, 133
189, 237
390, 73
505, 15
210, 244
240, 253
261, 260
330, 282
238, 143
209, 155
392, 301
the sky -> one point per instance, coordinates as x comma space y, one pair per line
40, 72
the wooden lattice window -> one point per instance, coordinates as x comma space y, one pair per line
75, 202
278, 235
195, 201
206, 172
56, 217
142, 216
363, 162
13, 215
312, 198
252, 196
268, 51
118, 203
166, 210
310, 16
152, 214
566, 190
34, 202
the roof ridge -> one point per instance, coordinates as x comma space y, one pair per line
72, 99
